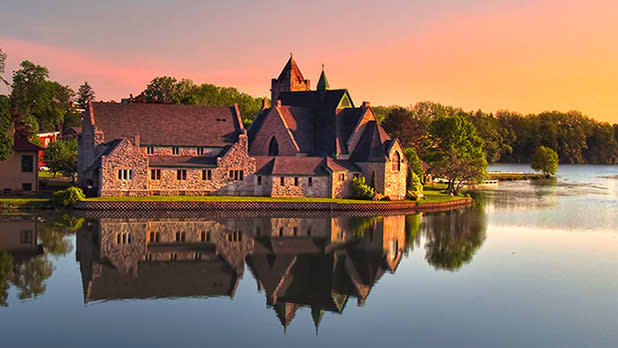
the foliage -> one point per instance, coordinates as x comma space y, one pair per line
56, 231
30, 277
37, 103
414, 183
6, 265
374, 180
2, 65
453, 238
497, 139
84, 93
68, 197
545, 160
360, 190
166, 89
457, 153
6, 142
361, 224
414, 163
61, 156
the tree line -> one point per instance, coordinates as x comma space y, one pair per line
509, 136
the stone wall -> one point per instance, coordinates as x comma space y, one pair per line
319, 187
395, 180
341, 188
124, 156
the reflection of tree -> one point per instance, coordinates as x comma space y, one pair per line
413, 225
55, 232
453, 238
361, 224
30, 277
6, 264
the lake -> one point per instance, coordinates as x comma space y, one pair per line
531, 264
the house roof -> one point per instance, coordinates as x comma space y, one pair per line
21, 144
290, 165
165, 124
328, 99
338, 165
323, 81
300, 123
373, 144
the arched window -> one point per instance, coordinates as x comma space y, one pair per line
396, 161
273, 147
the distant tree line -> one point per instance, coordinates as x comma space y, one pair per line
169, 90
509, 136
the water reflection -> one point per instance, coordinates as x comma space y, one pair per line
25, 242
315, 262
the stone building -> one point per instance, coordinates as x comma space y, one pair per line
309, 143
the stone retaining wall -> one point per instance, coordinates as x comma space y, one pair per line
270, 206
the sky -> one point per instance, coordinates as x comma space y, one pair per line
520, 55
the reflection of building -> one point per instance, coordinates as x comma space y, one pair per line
19, 238
312, 262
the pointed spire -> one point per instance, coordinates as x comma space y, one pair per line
317, 315
323, 82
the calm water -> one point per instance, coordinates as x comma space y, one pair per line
533, 264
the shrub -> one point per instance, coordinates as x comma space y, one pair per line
68, 197
412, 195
360, 189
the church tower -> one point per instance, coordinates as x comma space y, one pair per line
290, 80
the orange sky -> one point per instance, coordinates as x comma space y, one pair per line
526, 56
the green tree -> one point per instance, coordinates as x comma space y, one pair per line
360, 190
6, 266
414, 163
61, 156
6, 142
403, 124
545, 160
84, 93
2, 65
457, 153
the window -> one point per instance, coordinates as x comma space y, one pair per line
175, 150
150, 150
154, 237
282, 181
125, 174
295, 181
180, 236
123, 238
280, 231
155, 174
237, 175
259, 180
26, 186
310, 181
181, 174
200, 150
25, 237
396, 163
203, 236
273, 147
27, 164
341, 177
206, 174
295, 231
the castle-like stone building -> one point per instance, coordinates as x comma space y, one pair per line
308, 143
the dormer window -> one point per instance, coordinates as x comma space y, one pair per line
273, 147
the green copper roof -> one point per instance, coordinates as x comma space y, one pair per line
323, 82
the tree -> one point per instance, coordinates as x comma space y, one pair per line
414, 163
84, 93
6, 266
61, 156
457, 152
401, 123
545, 160
6, 142
2, 65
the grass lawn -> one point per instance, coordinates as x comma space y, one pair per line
434, 193
24, 203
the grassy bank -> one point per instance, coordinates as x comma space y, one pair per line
24, 203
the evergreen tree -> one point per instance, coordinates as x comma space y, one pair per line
84, 93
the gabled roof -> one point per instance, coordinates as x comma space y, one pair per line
373, 144
339, 165
21, 144
165, 124
300, 122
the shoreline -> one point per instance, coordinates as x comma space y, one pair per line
218, 206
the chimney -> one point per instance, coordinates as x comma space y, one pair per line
136, 140
265, 104
366, 104
278, 102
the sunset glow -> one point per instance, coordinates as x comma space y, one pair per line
525, 56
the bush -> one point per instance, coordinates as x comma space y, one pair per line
360, 190
412, 195
68, 197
